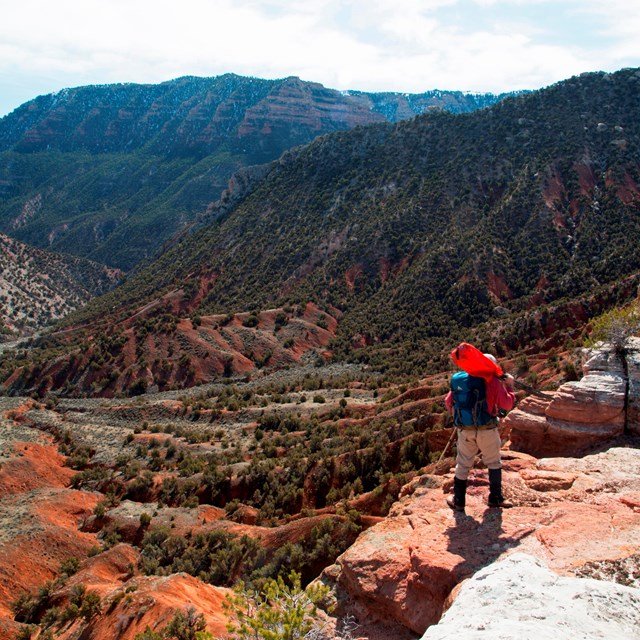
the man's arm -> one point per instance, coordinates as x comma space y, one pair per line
506, 398
448, 402
500, 394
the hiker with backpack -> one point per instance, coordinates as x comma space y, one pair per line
474, 403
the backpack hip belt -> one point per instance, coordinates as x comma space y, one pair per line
481, 427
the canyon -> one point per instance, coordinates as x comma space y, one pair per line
575, 515
262, 395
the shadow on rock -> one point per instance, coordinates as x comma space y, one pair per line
479, 542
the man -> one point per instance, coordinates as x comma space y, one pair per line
479, 432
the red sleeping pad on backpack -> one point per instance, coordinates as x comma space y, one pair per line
475, 363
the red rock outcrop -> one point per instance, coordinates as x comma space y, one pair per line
131, 604
580, 414
39, 516
397, 577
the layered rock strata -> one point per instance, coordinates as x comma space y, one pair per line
580, 517
580, 414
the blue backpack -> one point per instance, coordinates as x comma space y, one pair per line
469, 401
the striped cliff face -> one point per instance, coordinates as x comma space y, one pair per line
112, 172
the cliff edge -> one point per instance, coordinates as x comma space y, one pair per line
574, 518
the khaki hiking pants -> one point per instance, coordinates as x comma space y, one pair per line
472, 440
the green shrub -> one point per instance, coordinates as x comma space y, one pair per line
26, 632
50, 617
23, 608
279, 611
148, 634
616, 327
570, 372
70, 566
100, 509
90, 606
251, 321
187, 625
69, 613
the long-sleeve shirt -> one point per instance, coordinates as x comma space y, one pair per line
499, 396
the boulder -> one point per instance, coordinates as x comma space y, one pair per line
597, 399
580, 414
519, 597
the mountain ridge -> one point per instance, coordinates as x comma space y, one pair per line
147, 114
119, 169
327, 167
515, 224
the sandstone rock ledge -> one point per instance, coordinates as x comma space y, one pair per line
577, 516
520, 598
580, 414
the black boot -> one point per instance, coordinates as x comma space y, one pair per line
496, 498
457, 501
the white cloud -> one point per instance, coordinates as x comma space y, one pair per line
405, 45
620, 21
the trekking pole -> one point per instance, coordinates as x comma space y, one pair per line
530, 389
453, 433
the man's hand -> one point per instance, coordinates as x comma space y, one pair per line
509, 380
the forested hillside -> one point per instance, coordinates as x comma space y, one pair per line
111, 172
38, 287
522, 219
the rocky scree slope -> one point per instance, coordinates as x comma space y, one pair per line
39, 287
524, 216
111, 172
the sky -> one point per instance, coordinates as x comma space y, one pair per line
371, 45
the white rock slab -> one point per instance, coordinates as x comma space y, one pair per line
520, 598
